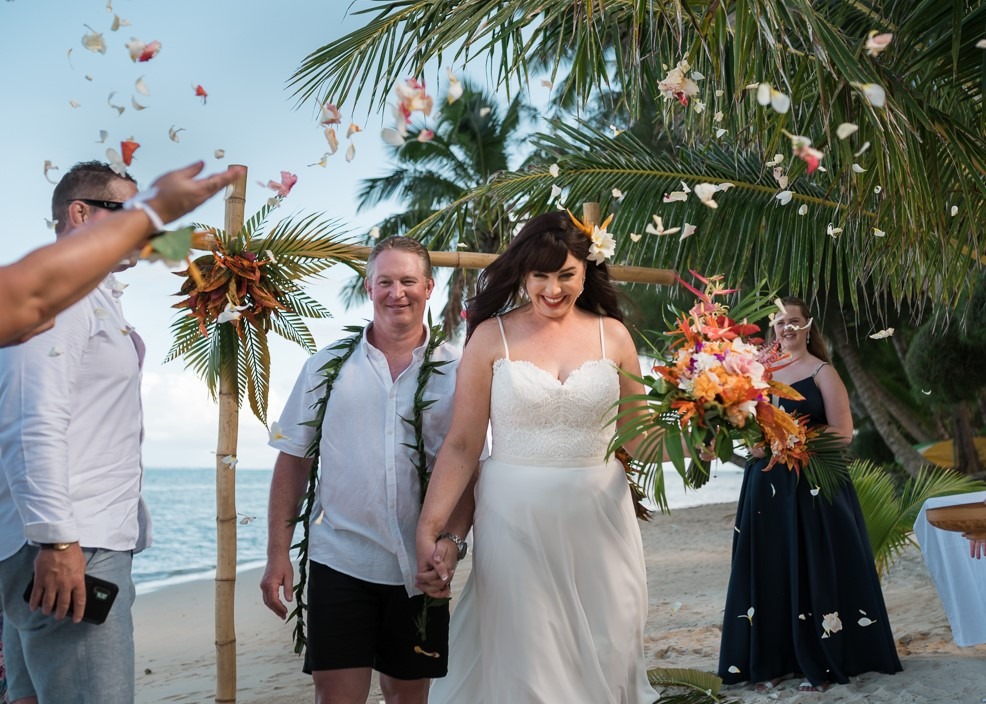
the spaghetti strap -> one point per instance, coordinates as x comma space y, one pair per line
817, 369
602, 337
506, 350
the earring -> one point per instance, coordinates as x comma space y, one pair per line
808, 338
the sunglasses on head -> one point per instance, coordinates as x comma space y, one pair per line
110, 205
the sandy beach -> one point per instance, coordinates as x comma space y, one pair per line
687, 564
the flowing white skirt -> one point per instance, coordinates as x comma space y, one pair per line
555, 607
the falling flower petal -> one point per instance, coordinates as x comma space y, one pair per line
136, 105
101, 313
553, 170
392, 137
720, 132
332, 139
55, 352
353, 129
877, 190
675, 607
219, 153
49, 167
545, 83
51, 224
815, 491
454, 87
483, 112
74, 103
831, 623
748, 615
981, 44
926, 393
733, 669
411, 97
127, 149
374, 233
634, 237
858, 169
675, 197
803, 210
93, 41
877, 232
351, 152
287, 182
88, 77
200, 93
116, 162
141, 87
677, 86
875, 94
778, 158
717, 117
173, 133
864, 622
954, 210
784, 197
768, 95
617, 193
882, 334
103, 134
426, 135
324, 161
801, 148
845, 129
876, 42
275, 432
862, 150
699, 106
658, 227
801, 617
230, 313
833, 231
329, 115
780, 177
616, 132
555, 191
687, 231
118, 22
706, 192
119, 108
230, 461
773, 490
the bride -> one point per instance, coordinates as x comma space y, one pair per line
555, 606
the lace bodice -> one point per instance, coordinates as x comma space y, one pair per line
534, 415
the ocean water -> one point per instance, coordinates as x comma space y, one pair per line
182, 503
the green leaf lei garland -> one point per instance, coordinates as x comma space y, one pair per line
331, 371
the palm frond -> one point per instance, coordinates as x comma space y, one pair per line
890, 511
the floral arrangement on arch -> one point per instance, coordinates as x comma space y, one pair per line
711, 391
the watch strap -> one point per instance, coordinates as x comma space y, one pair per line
460, 544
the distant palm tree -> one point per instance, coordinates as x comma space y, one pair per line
474, 138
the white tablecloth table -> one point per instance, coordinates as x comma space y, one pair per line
960, 580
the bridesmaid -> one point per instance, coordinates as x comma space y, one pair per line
804, 597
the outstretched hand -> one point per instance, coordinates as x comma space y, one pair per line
179, 192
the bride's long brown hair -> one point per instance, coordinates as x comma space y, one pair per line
543, 244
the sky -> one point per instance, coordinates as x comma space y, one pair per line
242, 52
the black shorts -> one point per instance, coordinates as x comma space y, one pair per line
352, 623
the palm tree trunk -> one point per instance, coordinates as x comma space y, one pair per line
229, 416
869, 393
964, 452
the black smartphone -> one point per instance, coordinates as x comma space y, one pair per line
100, 595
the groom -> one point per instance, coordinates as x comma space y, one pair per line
362, 603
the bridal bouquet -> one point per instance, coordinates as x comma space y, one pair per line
711, 391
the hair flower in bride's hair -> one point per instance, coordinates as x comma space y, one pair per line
603, 243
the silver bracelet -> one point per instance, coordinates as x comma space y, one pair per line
461, 545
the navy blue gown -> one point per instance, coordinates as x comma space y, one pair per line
798, 559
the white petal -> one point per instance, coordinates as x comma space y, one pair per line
845, 129
877, 190
75, 103
392, 137
784, 197
735, 670
93, 41
877, 232
137, 106
882, 334
803, 210
219, 153
717, 117
173, 133
864, 622
103, 134
955, 210
720, 132
617, 193
351, 152
981, 44
55, 351
858, 169
634, 237
374, 233
555, 191
862, 150
141, 87
779, 101
553, 170
763, 94
696, 76
875, 94
814, 492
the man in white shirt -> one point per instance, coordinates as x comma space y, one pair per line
70, 474
362, 602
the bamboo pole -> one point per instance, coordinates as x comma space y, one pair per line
229, 414
479, 260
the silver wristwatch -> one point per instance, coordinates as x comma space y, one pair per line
461, 544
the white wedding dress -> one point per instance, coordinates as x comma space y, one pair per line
554, 609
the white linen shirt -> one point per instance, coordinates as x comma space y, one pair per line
71, 430
368, 499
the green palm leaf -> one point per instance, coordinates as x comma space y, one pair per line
890, 510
